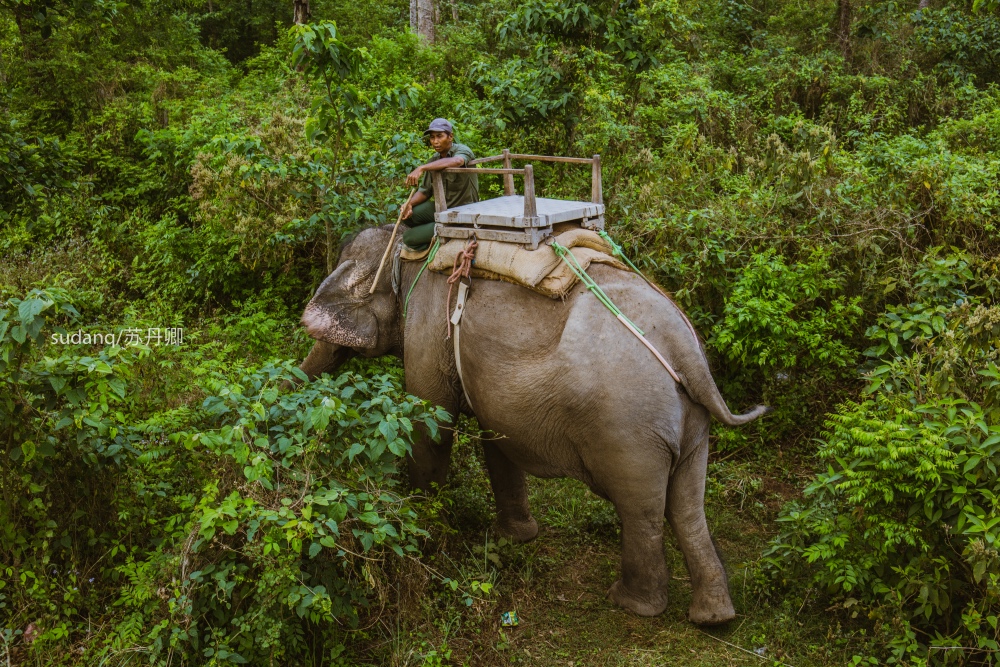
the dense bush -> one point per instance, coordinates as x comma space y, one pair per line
903, 524
239, 528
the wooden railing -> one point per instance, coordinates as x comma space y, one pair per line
530, 209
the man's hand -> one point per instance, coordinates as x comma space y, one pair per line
413, 178
417, 197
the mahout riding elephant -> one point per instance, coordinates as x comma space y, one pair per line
570, 389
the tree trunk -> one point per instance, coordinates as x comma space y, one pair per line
413, 16
425, 20
300, 11
844, 29
22, 17
924, 4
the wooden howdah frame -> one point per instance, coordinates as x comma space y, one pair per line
524, 219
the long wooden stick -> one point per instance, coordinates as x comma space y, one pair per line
392, 240
480, 170
537, 158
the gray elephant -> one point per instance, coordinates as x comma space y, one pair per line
572, 392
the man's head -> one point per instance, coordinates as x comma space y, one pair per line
440, 135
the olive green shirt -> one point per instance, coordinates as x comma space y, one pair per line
458, 188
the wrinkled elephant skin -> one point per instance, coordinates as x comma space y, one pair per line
571, 391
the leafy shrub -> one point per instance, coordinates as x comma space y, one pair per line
521, 89
775, 317
28, 168
64, 436
787, 330
283, 542
966, 44
234, 530
904, 521
629, 30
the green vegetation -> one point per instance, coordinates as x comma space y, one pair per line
816, 182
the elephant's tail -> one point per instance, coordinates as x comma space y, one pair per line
704, 391
722, 413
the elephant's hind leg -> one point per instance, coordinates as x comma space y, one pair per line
642, 588
711, 603
510, 491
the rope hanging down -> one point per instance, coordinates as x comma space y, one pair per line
461, 269
578, 270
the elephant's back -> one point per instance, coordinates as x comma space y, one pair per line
514, 326
569, 371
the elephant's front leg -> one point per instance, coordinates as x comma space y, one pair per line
428, 465
710, 603
510, 491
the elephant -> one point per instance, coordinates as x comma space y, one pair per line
570, 390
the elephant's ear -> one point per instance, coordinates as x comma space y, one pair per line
341, 311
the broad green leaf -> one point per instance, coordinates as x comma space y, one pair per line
28, 309
320, 417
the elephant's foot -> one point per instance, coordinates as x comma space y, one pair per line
711, 607
651, 603
523, 530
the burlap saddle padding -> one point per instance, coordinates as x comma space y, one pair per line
411, 255
540, 270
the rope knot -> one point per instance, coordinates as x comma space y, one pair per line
461, 269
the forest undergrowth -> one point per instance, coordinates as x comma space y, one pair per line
815, 182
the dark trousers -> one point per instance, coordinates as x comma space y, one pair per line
421, 226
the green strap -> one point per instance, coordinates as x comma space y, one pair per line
574, 266
617, 250
430, 257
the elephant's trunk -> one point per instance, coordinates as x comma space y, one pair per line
323, 358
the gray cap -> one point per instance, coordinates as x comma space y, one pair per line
439, 125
